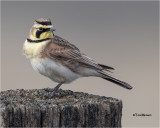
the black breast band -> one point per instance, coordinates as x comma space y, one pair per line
37, 41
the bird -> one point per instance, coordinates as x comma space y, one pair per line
59, 60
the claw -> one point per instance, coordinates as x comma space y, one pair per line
52, 90
49, 89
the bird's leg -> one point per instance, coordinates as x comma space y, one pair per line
54, 90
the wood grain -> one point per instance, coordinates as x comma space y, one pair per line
32, 108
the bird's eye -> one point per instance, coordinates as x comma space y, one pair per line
41, 29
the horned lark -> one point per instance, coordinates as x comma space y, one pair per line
59, 60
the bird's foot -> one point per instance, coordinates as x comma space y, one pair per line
49, 89
53, 90
51, 95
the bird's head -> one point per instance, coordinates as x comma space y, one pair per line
42, 29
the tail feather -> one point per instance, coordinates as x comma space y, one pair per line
116, 81
106, 67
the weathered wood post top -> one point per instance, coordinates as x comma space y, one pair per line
32, 108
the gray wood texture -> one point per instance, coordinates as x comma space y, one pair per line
32, 108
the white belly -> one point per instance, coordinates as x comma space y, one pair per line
54, 70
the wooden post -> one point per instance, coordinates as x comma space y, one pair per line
32, 108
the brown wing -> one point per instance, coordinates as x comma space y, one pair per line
68, 54
63, 43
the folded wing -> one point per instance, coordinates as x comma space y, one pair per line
64, 52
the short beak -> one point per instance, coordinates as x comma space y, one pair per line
52, 29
